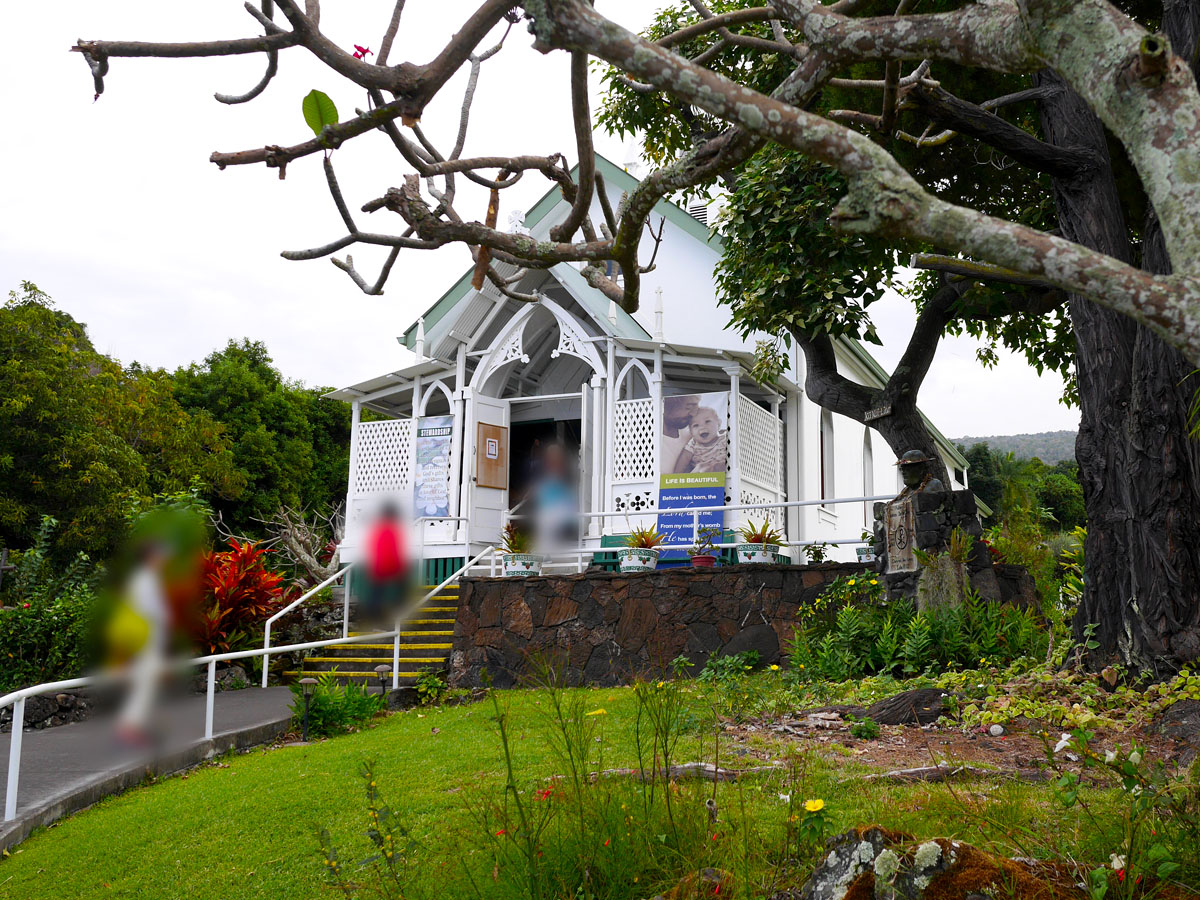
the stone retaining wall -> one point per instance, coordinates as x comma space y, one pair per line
605, 627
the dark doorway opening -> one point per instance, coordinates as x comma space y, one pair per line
526, 442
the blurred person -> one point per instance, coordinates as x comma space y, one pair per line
138, 638
386, 568
148, 606
554, 502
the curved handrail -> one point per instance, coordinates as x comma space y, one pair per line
287, 609
17, 698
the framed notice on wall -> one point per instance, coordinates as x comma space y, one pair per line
491, 456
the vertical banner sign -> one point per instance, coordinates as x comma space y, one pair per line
431, 481
694, 447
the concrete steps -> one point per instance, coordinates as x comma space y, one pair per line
424, 646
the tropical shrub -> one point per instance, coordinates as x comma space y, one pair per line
238, 594
430, 686
724, 669
851, 631
48, 628
335, 708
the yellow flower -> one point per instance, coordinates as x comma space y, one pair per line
598, 712
873, 581
851, 582
814, 805
774, 668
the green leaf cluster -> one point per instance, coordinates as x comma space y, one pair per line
81, 437
290, 447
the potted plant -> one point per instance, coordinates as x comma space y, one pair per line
517, 558
640, 553
703, 551
761, 543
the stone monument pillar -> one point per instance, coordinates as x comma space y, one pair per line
922, 518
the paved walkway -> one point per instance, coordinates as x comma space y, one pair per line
70, 767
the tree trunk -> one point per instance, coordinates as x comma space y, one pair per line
1137, 465
904, 429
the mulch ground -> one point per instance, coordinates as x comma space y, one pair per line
1021, 751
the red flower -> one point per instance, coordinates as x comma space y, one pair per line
501, 831
25, 605
545, 795
607, 841
1120, 875
361, 52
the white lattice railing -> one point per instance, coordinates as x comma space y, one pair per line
383, 457
633, 444
383, 464
760, 462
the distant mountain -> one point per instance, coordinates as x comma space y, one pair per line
1048, 446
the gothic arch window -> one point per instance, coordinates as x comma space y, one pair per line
868, 472
827, 455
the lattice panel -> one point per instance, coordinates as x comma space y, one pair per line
750, 496
633, 445
760, 441
635, 501
384, 458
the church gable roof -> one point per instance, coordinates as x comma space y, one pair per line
587, 296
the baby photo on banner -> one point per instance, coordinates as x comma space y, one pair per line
431, 484
694, 447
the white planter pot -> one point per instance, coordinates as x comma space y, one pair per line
522, 564
637, 559
758, 553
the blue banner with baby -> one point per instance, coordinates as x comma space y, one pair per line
694, 454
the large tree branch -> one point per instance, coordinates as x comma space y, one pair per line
581, 117
882, 197
976, 122
407, 201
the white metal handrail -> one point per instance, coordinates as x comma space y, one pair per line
287, 609
17, 698
412, 610
695, 511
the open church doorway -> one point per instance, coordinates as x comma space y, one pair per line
527, 443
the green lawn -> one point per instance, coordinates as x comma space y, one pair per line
247, 828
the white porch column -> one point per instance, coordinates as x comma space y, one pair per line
656, 396
733, 478
612, 392
468, 459
355, 420
600, 452
458, 430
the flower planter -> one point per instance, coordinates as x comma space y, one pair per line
759, 554
637, 559
704, 561
522, 564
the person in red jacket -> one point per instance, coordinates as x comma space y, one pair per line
386, 568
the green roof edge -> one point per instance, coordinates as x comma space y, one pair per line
618, 178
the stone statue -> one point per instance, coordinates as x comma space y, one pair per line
917, 474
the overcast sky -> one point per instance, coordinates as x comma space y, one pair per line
113, 208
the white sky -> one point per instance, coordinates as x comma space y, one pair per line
114, 210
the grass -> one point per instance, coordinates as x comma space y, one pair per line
247, 828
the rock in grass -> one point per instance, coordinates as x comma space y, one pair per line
873, 863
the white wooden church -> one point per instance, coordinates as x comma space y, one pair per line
496, 378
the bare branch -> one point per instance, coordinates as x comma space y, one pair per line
712, 22
582, 120
976, 270
389, 36
375, 289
